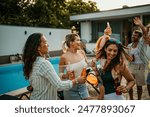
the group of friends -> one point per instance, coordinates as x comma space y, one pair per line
108, 66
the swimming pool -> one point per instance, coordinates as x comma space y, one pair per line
55, 63
12, 78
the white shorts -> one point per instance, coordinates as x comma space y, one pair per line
113, 96
138, 70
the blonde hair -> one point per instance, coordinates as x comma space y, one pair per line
69, 38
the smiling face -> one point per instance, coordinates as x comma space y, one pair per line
76, 44
43, 48
135, 37
111, 51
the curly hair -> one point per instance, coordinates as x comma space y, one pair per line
30, 52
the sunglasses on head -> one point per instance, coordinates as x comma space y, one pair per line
115, 40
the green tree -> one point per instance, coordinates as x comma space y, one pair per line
8, 11
81, 7
43, 13
75, 7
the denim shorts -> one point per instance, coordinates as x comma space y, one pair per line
78, 92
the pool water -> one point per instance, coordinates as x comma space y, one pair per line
55, 62
12, 78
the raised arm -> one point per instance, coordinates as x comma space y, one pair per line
138, 22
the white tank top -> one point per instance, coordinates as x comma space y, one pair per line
77, 67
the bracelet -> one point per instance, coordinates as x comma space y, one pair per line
76, 81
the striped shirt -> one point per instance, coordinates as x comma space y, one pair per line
45, 81
135, 51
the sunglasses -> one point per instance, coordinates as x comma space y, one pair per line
115, 40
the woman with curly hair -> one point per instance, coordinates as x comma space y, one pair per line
40, 72
113, 68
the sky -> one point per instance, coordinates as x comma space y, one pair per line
113, 4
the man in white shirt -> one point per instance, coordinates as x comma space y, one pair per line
136, 66
144, 48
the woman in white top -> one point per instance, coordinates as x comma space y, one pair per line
73, 60
40, 72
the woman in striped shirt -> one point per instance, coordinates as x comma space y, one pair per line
40, 72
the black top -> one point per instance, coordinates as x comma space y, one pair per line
108, 82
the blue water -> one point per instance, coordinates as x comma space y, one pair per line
12, 78
55, 63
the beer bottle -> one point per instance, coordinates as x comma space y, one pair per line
83, 73
117, 83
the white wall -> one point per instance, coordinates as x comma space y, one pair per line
91, 46
86, 31
13, 38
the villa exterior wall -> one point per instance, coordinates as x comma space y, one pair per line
13, 38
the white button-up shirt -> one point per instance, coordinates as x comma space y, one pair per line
45, 81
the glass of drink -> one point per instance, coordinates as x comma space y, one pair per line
71, 75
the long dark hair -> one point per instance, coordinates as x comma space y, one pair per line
30, 52
119, 57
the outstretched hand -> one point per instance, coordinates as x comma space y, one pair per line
122, 89
92, 63
81, 79
137, 21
